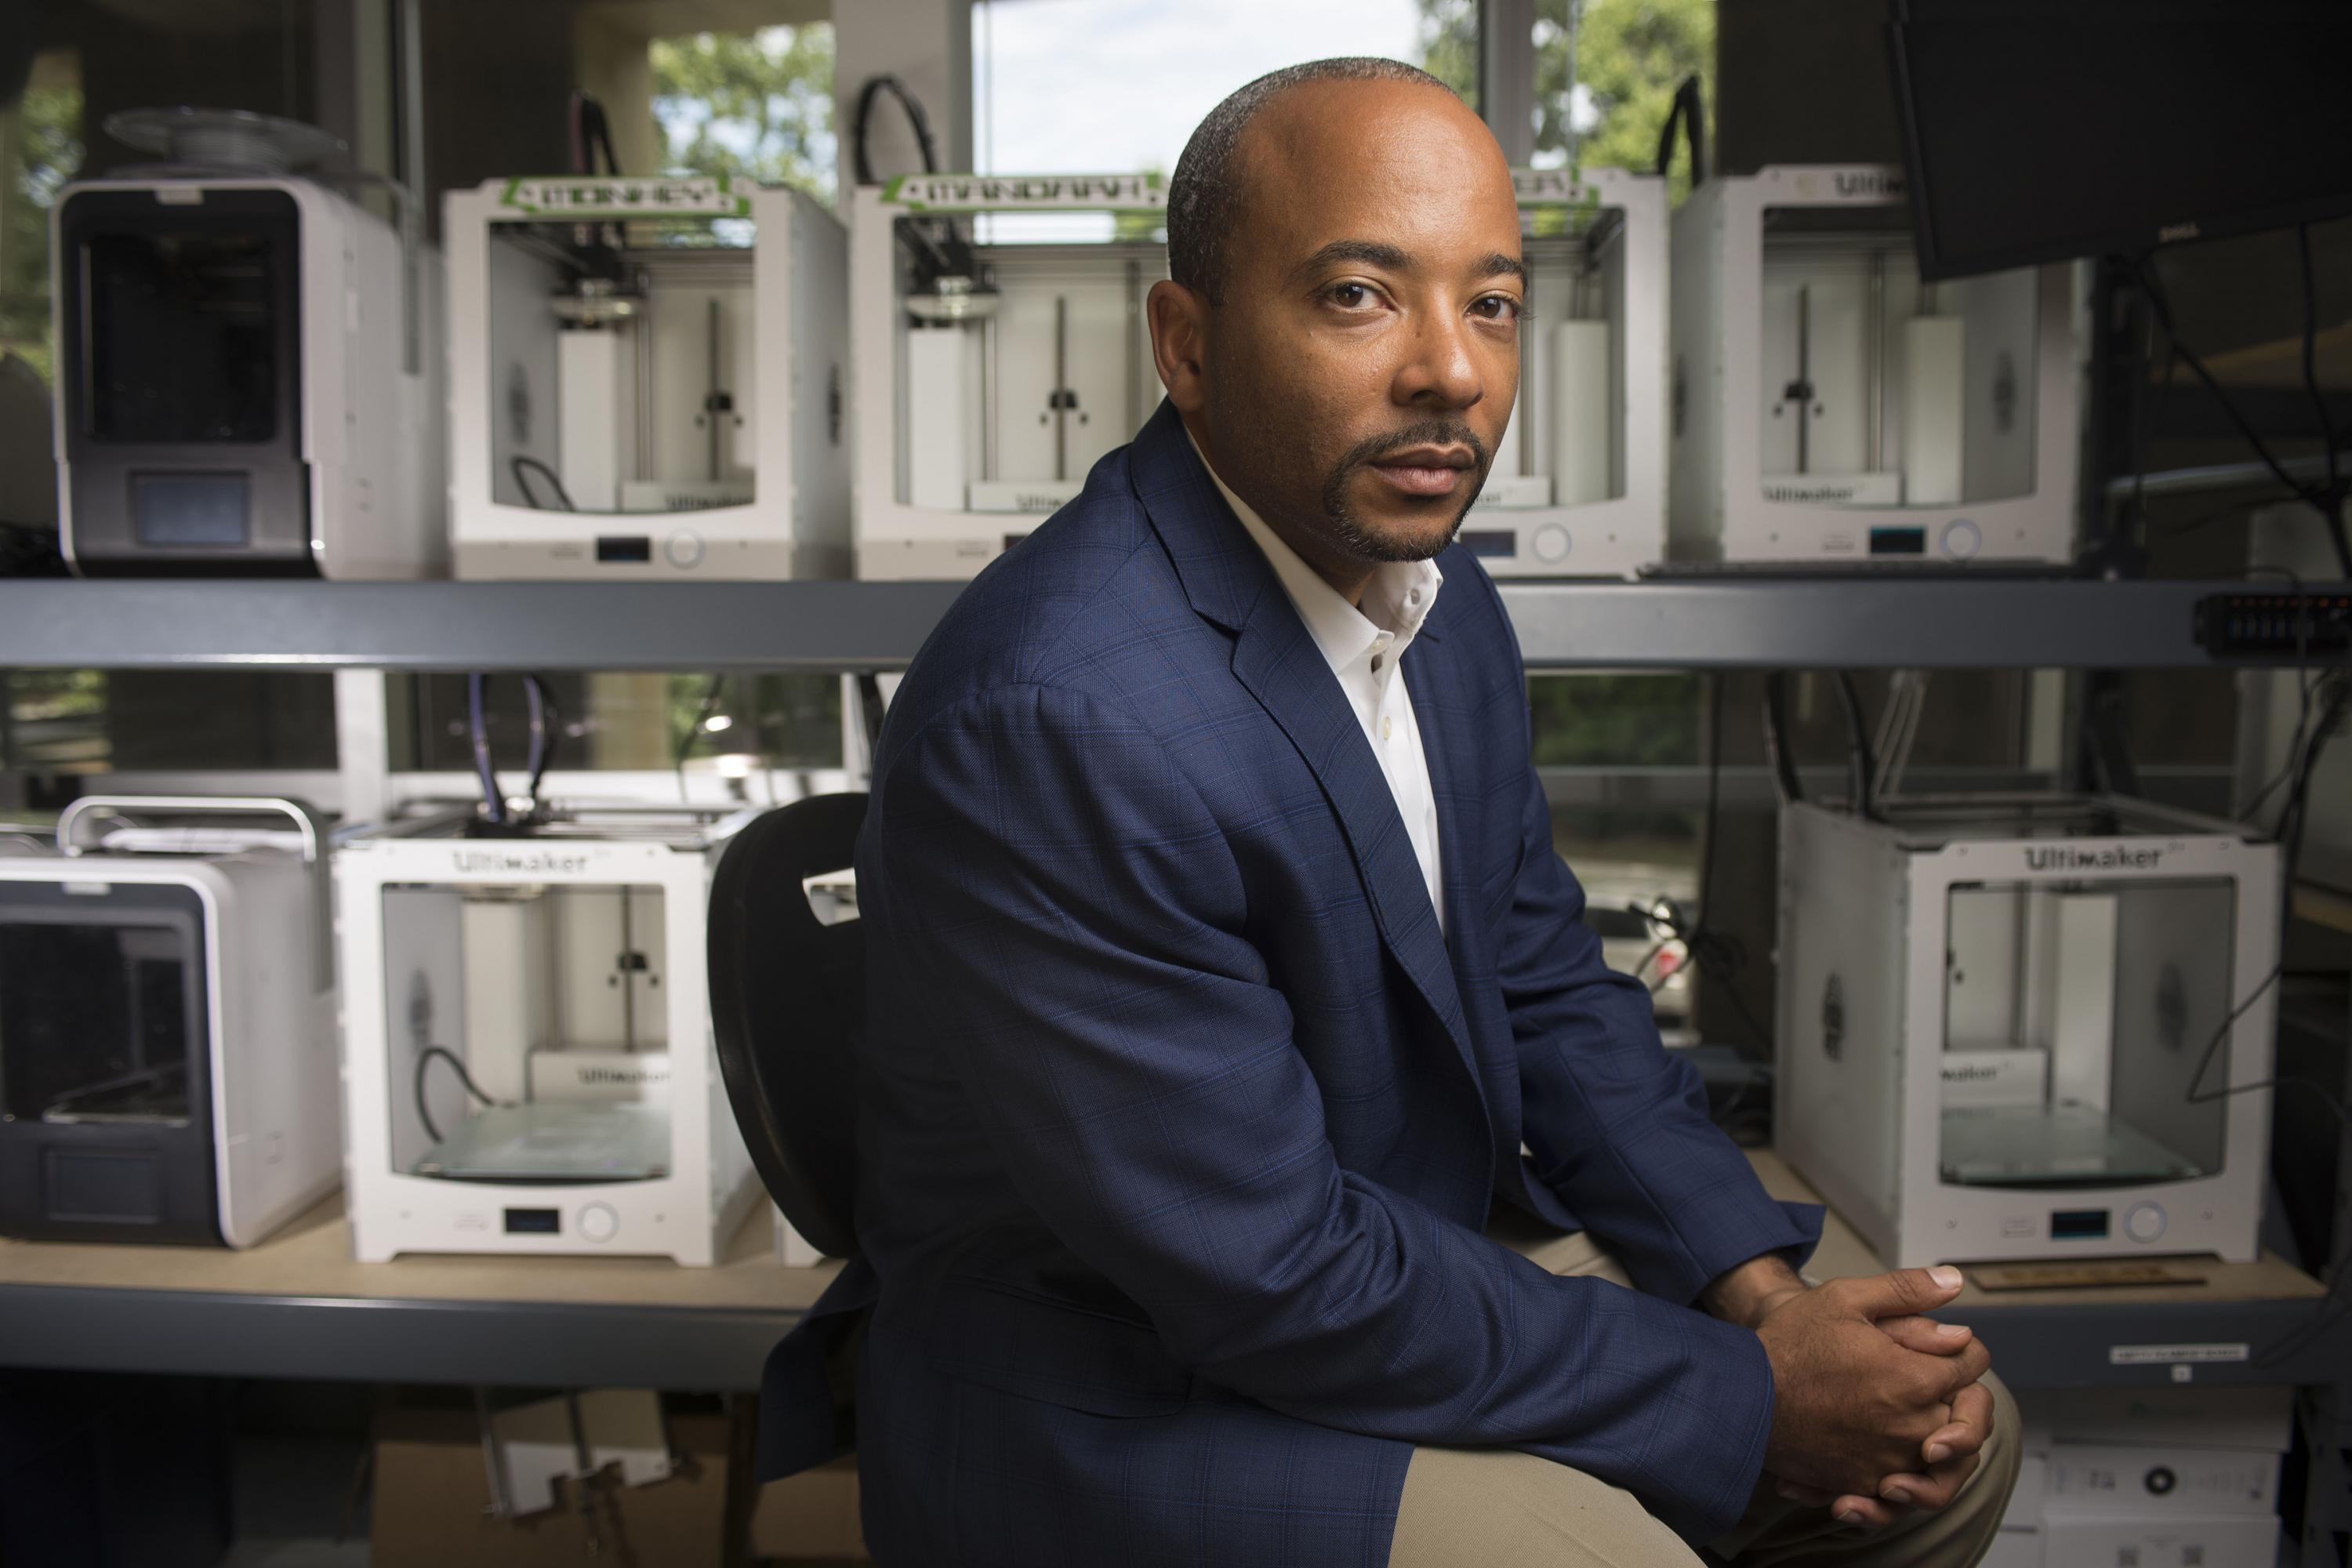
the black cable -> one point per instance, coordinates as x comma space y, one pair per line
1687, 114
2329, 507
874, 86
477, 729
1860, 766
544, 734
1777, 751
523, 460
425, 1060
710, 694
2334, 511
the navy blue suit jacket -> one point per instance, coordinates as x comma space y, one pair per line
1181, 1120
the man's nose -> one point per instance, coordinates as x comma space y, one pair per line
1440, 369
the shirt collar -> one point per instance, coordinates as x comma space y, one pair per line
1397, 600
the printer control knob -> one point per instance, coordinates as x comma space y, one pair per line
2145, 1223
599, 1223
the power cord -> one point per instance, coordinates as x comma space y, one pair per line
522, 465
458, 1064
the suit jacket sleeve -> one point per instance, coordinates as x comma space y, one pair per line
1618, 1125
1075, 914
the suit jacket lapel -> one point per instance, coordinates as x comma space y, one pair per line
1230, 582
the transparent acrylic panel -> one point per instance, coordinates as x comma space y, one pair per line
2075, 1019
1566, 440
528, 1032
96, 1021
1878, 391
1024, 354
622, 365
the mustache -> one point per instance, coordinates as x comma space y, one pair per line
1428, 433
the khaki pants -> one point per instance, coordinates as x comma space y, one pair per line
1476, 1508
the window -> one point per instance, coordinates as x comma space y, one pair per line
1606, 71
744, 729
40, 150
85, 721
1054, 82
755, 105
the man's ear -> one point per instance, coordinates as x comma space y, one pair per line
1179, 330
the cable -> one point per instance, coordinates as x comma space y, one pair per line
2328, 505
710, 694
479, 729
1688, 114
2334, 511
544, 734
874, 86
522, 460
425, 1060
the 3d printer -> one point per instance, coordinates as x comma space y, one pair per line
1830, 408
1578, 485
167, 1023
2028, 1026
249, 363
1001, 346
529, 1064
647, 380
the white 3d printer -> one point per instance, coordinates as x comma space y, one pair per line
1830, 408
249, 363
2009, 1026
528, 1065
167, 1027
647, 380
1001, 350
1578, 485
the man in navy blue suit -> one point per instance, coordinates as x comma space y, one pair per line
1258, 1164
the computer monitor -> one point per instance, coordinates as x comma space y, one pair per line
2041, 129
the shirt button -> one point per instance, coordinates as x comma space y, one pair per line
1386, 725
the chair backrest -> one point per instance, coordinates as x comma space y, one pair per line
788, 1007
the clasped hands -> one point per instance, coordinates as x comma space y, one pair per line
1876, 1409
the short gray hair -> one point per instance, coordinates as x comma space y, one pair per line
1205, 195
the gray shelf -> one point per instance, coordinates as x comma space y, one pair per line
720, 1349
213, 1334
1716, 623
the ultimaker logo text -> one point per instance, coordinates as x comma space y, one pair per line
2061, 857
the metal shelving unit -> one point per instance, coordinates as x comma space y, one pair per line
1712, 623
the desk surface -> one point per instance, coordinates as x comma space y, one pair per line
299, 1306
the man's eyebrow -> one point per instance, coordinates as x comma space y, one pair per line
1370, 252
1373, 253
1501, 265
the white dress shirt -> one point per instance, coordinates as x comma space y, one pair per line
1362, 647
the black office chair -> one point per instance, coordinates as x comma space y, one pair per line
788, 1007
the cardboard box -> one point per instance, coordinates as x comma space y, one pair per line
1975, 1079
433, 1496
2091, 1479
813, 1514
2090, 1541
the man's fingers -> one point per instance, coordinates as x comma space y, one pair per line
1971, 1425
1901, 1292
1933, 1491
1924, 1335
1964, 1368
1866, 1513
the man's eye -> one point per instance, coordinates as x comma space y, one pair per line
1349, 296
1497, 308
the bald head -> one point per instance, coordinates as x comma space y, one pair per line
1205, 196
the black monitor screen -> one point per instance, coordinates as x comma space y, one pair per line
2042, 130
